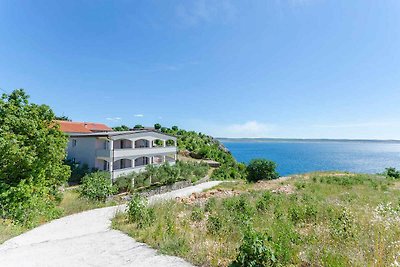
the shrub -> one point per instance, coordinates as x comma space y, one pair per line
197, 214
255, 251
264, 201
157, 126
97, 186
343, 225
32, 153
214, 224
78, 171
392, 173
139, 212
240, 208
261, 169
124, 183
210, 205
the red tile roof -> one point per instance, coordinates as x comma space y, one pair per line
82, 127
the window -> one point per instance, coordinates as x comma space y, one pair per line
105, 166
73, 142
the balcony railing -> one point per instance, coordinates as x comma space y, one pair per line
133, 152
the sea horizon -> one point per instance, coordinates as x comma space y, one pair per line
277, 139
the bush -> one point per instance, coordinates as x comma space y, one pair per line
97, 186
78, 171
124, 183
210, 204
254, 251
264, 201
197, 214
392, 173
169, 174
139, 212
214, 224
261, 169
32, 153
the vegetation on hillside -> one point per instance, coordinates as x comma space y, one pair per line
320, 219
162, 175
202, 146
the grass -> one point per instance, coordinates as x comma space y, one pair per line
70, 204
318, 219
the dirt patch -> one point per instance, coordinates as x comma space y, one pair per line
202, 197
285, 189
274, 186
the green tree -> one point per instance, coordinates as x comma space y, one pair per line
392, 173
121, 128
138, 126
97, 186
261, 169
32, 152
174, 128
157, 126
62, 118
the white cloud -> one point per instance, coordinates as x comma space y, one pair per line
113, 119
354, 125
138, 115
205, 11
250, 129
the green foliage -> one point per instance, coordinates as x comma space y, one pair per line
319, 224
168, 174
264, 201
214, 224
138, 127
121, 128
240, 208
62, 118
230, 171
392, 173
78, 171
261, 169
97, 186
157, 126
32, 151
255, 251
203, 146
210, 205
124, 183
139, 212
343, 226
197, 214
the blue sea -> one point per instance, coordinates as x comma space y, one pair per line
294, 157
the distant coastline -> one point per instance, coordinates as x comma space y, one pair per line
264, 140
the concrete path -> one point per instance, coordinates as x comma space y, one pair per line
85, 239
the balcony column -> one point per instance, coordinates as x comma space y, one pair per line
164, 143
163, 159
150, 143
111, 162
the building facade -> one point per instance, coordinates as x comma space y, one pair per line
121, 153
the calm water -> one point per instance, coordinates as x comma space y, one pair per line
306, 156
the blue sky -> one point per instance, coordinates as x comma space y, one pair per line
278, 68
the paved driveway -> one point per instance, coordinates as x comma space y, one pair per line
85, 239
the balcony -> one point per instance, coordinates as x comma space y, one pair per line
135, 152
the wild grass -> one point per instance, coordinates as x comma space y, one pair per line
73, 203
9, 230
330, 219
